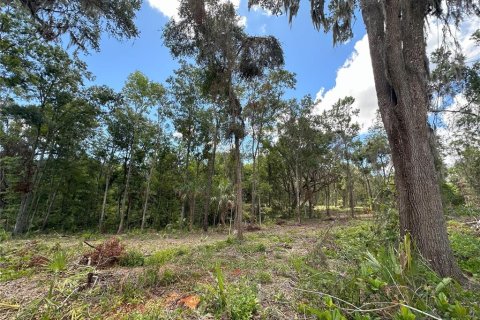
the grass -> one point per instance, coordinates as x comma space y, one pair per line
276, 273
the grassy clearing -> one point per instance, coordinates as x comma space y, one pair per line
319, 270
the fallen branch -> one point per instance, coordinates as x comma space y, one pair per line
91, 246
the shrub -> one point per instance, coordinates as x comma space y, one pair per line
132, 258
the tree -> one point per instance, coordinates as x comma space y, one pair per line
210, 32
140, 94
83, 20
186, 101
45, 80
396, 33
339, 121
262, 111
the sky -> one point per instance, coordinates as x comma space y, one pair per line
324, 71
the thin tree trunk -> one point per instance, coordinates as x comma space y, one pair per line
211, 173
49, 210
297, 192
185, 181
369, 193
400, 66
104, 202
327, 201
147, 195
259, 211
238, 190
350, 185
125, 192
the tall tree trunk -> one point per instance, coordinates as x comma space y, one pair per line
297, 192
335, 198
125, 192
185, 181
350, 185
400, 66
104, 202
327, 201
211, 173
147, 195
49, 210
238, 189
369, 192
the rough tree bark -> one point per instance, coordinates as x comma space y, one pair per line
211, 172
400, 66
238, 190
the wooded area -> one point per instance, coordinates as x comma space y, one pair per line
221, 146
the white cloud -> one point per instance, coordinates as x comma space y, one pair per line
242, 22
169, 8
355, 77
259, 9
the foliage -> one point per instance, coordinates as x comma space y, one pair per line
132, 258
58, 262
466, 246
237, 301
161, 257
82, 21
394, 283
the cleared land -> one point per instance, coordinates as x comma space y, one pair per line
175, 275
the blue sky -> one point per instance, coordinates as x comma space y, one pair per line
326, 72
308, 53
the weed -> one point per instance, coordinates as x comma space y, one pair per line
59, 262
236, 301
149, 278
163, 256
132, 258
168, 277
264, 277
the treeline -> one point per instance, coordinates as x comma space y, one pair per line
217, 142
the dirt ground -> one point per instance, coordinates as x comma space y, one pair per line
264, 250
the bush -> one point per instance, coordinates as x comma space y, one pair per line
4, 235
451, 195
149, 278
132, 258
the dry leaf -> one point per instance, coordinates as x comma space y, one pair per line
190, 302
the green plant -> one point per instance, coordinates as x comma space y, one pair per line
466, 247
59, 262
4, 235
236, 301
149, 278
264, 277
168, 277
163, 256
132, 258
